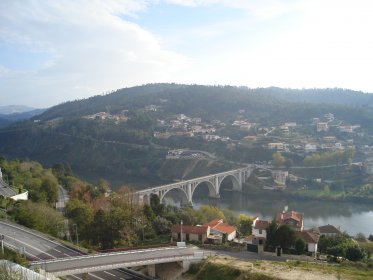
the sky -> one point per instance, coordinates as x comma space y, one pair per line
52, 51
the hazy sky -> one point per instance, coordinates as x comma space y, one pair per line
54, 51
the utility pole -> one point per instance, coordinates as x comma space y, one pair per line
2, 243
181, 231
76, 233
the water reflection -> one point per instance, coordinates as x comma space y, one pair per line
351, 217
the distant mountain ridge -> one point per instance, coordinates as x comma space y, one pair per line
9, 118
152, 93
14, 109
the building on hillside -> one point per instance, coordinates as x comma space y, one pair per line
292, 219
322, 126
190, 233
259, 232
311, 238
329, 230
276, 146
219, 228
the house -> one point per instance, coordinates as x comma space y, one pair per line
311, 238
190, 233
329, 230
309, 148
218, 227
276, 146
292, 219
7, 192
259, 231
322, 126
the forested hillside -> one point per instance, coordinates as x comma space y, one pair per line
125, 136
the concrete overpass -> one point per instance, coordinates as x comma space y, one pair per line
99, 262
237, 176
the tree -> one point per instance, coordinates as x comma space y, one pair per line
355, 253
278, 159
285, 236
271, 233
210, 212
161, 225
244, 224
300, 246
156, 205
81, 214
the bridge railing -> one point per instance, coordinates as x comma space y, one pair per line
106, 255
192, 180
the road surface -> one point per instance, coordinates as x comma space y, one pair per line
38, 247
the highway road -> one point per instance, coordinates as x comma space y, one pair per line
38, 247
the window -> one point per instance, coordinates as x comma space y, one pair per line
260, 231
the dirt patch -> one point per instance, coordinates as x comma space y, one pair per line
276, 270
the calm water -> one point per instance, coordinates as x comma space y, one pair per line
351, 217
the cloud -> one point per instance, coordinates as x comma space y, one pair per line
91, 48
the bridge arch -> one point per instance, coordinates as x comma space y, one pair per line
236, 184
211, 188
178, 190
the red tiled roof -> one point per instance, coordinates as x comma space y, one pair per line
281, 217
329, 229
190, 229
214, 223
259, 224
224, 228
308, 236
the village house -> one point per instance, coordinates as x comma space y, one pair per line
311, 239
329, 230
190, 233
322, 126
292, 219
276, 146
219, 228
259, 232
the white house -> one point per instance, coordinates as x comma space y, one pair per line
311, 239
259, 231
218, 227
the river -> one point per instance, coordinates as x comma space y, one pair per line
350, 217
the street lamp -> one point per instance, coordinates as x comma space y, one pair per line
76, 233
181, 231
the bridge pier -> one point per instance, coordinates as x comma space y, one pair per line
151, 270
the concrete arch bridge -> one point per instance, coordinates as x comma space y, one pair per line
187, 188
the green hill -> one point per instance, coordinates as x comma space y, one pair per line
112, 136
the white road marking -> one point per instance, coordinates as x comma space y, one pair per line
28, 245
56, 250
109, 273
15, 248
95, 276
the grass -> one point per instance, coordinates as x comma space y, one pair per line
356, 271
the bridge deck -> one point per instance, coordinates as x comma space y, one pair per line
146, 191
99, 262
